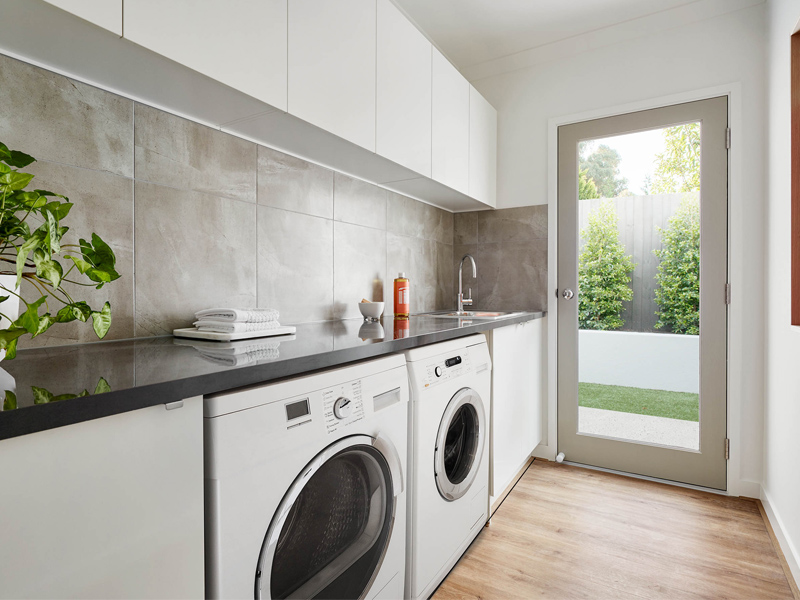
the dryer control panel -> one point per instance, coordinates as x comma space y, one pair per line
446, 367
342, 405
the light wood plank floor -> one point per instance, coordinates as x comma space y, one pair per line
568, 532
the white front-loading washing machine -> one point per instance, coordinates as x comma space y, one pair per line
448, 458
305, 489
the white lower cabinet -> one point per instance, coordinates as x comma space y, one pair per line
110, 508
518, 354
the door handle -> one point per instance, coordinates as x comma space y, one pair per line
568, 294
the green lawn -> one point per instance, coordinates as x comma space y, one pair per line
658, 403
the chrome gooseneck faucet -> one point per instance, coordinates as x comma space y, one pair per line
461, 300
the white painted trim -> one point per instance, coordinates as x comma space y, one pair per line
736, 366
544, 451
790, 551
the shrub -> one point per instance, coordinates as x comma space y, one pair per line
603, 271
678, 277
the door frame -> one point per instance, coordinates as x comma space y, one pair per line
736, 486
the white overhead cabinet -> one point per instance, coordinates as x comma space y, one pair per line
450, 136
404, 91
482, 149
105, 13
332, 66
241, 43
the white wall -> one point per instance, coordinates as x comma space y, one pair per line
719, 51
653, 361
782, 405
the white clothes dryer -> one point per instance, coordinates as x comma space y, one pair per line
448, 457
305, 489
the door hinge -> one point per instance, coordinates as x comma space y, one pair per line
728, 138
727, 293
727, 449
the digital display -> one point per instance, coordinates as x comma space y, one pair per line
450, 362
298, 409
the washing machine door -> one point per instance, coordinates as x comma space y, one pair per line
331, 531
459, 444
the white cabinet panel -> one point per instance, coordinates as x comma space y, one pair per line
450, 125
517, 393
110, 508
105, 13
332, 66
404, 91
241, 43
482, 149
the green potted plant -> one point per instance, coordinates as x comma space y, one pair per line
31, 233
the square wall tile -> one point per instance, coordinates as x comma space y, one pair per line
517, 225
193, 251
465, 227
359, 202
417, 258
179, 153
406, 216
57, 119
102, 204
359, 268
295, 265
292, 183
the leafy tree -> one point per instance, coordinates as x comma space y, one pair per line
586, 187
678, 167
678, 277
602, 167
603, 271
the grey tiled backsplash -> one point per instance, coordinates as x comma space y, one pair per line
200, 218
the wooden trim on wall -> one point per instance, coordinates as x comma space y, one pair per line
795, 78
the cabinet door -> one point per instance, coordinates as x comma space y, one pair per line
404, 91
241, 43
332, 66
517, 360
110, 508
482, 149
105, 13
450, 125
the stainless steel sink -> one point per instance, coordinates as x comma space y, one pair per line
484, 315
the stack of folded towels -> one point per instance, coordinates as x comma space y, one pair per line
237, 320
242, 353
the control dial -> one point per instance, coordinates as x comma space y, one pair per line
342, 408
438, 371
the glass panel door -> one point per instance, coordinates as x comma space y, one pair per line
642, 270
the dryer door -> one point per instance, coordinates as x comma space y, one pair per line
459, 444
332, 528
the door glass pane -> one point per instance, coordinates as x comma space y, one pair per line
336, 532
639, 287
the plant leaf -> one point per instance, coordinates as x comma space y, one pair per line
11, 350
81, 310
29, 320
82, 265
9, 336
53, 239
48, 268
65, 315
59, 209
63, 397
22, 255
41, 395
45, 322
10, 401
19, 159
101, 320
102, 387
15, 180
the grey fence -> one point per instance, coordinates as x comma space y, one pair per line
639, 220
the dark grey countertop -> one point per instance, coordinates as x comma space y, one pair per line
150, 371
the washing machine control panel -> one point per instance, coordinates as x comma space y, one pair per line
342, 405
445, 368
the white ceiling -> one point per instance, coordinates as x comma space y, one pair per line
471, 32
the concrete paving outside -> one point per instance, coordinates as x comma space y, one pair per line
639, 428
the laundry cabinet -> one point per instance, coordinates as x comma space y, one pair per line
518, 353
109, 508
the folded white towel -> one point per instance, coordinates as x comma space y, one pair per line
226, 327
238, 315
